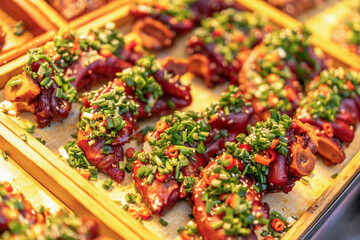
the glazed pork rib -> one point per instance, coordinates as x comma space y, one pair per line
19, 220
332, 106
295, 7
220, 45
271, 157
70, 62
227, 207
182, 144
109, 114
272, 75
159, 22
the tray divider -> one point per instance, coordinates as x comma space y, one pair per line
330, 48
50, 165
326, 199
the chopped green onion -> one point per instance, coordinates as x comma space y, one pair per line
4, 155
163, 222
107, 184
15, 81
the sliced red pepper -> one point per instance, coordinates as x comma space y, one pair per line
229, 199
92, 36
84, 173
274, 143
323, 89
272, 78
217, 32
246, 146
7, 186
290, 94
133, 213
161, 126
105, 52
212, 177
85, 102
132, 45
273, 100
130, 152
239, 37
171, 152
238, 94
145, 214
161, 177
350, 85
328, 129
277, 224
262, 160
268, 237
185, 235
239, 164
242, 56
271, 154
231, 160
213, 118
352, 48
222, 196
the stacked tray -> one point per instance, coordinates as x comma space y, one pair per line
88, 198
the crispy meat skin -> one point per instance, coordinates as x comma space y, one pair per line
160, 199
205, 220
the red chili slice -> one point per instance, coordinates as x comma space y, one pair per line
272, 78
229, 199
161, 177
213, 118
105, 52
133, 213
268, 237
84, 173
290, 94
273, 100
145, 214
214, 176
161, 126
8, 186
231, 160
328, 129
185, 235
246, 146
85, 102
350, 85
271, 154
130, 152
171, 151
274, 143
217, 32
277, 224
